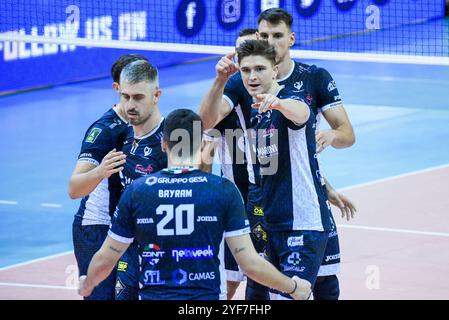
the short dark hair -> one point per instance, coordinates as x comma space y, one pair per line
276, 16
247, 32
184, 119
139, 71
256, 48
121, 62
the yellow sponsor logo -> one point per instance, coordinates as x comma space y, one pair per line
122, 266
258, 211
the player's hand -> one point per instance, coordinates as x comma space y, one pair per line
324, 139
83, 290
266, 102
345, 205
111, 163
303, 289
226, 67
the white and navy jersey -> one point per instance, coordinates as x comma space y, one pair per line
180, 218
230, 147
103, 135
293, 191
315, 84
144, 155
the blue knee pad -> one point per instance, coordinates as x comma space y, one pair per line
326, 288
256, 291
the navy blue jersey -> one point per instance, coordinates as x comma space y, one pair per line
180, 218
230, 147
294, 195
315, 84
235, 93
144, 155
103, 135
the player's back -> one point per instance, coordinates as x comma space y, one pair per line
181, 216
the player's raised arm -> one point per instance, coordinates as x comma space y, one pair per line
260, 270
213, 107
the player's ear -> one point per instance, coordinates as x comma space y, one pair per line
275, 70
157, 94
116, 87
292, 39
164, 146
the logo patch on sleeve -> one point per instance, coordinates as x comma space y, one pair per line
93, 135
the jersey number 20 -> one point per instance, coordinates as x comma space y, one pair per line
179, 213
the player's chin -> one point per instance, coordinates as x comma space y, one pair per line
254, 91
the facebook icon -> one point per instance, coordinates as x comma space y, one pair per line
190, 17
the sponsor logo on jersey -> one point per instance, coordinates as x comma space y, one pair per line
142, 170
85, 155
153, 180
293, 261
192, 253
122, 266
294, 258
181, 276
147, 151
145, 220
93, 135
331, 86
152, 277
298, 86
332, 257
258, 211
295, 241
118, 287
152, 253
258, 232
206, 219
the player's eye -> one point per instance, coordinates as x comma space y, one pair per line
264, 36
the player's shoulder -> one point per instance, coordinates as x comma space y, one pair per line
111, 119
235, 81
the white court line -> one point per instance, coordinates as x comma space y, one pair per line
404, 175
36, 260
51, 205
29, 285
8, 202
427, 233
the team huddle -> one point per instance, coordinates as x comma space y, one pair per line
154, 223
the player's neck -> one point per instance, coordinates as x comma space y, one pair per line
285, 67
175, 161
120, 111
149, 125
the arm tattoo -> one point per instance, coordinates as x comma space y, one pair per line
114, 249
238, 250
